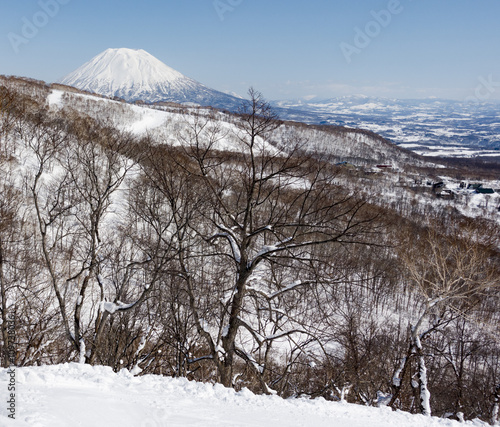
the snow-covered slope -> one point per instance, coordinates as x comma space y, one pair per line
81, 395
168, 124
137, 75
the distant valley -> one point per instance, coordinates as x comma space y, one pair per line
429, 127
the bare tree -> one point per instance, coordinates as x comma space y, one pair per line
96, 169
21, 286
448, 274
263, 205
80, 167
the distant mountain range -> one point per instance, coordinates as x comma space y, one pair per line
428, 127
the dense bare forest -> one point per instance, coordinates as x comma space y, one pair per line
284, 264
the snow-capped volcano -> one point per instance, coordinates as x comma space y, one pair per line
137, 75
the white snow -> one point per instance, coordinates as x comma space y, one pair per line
150, 119
116, 69
86, 396
111, 307
134, 74
55, 99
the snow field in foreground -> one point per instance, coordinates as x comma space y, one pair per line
82, 395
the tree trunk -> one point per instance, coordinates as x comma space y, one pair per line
423, 391
424, 394
397, 380
226, 371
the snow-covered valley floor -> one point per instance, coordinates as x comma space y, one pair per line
72, 395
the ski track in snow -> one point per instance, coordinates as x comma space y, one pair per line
82, 395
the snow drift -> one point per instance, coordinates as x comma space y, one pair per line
94, 396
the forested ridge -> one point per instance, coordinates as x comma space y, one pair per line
248, 251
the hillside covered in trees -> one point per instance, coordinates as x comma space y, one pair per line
243, 250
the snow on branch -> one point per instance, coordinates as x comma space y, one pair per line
231, 238
112, 307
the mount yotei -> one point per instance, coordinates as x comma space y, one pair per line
137, 75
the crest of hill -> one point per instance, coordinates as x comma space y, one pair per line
337, 143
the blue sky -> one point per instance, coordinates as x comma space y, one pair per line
284, 48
